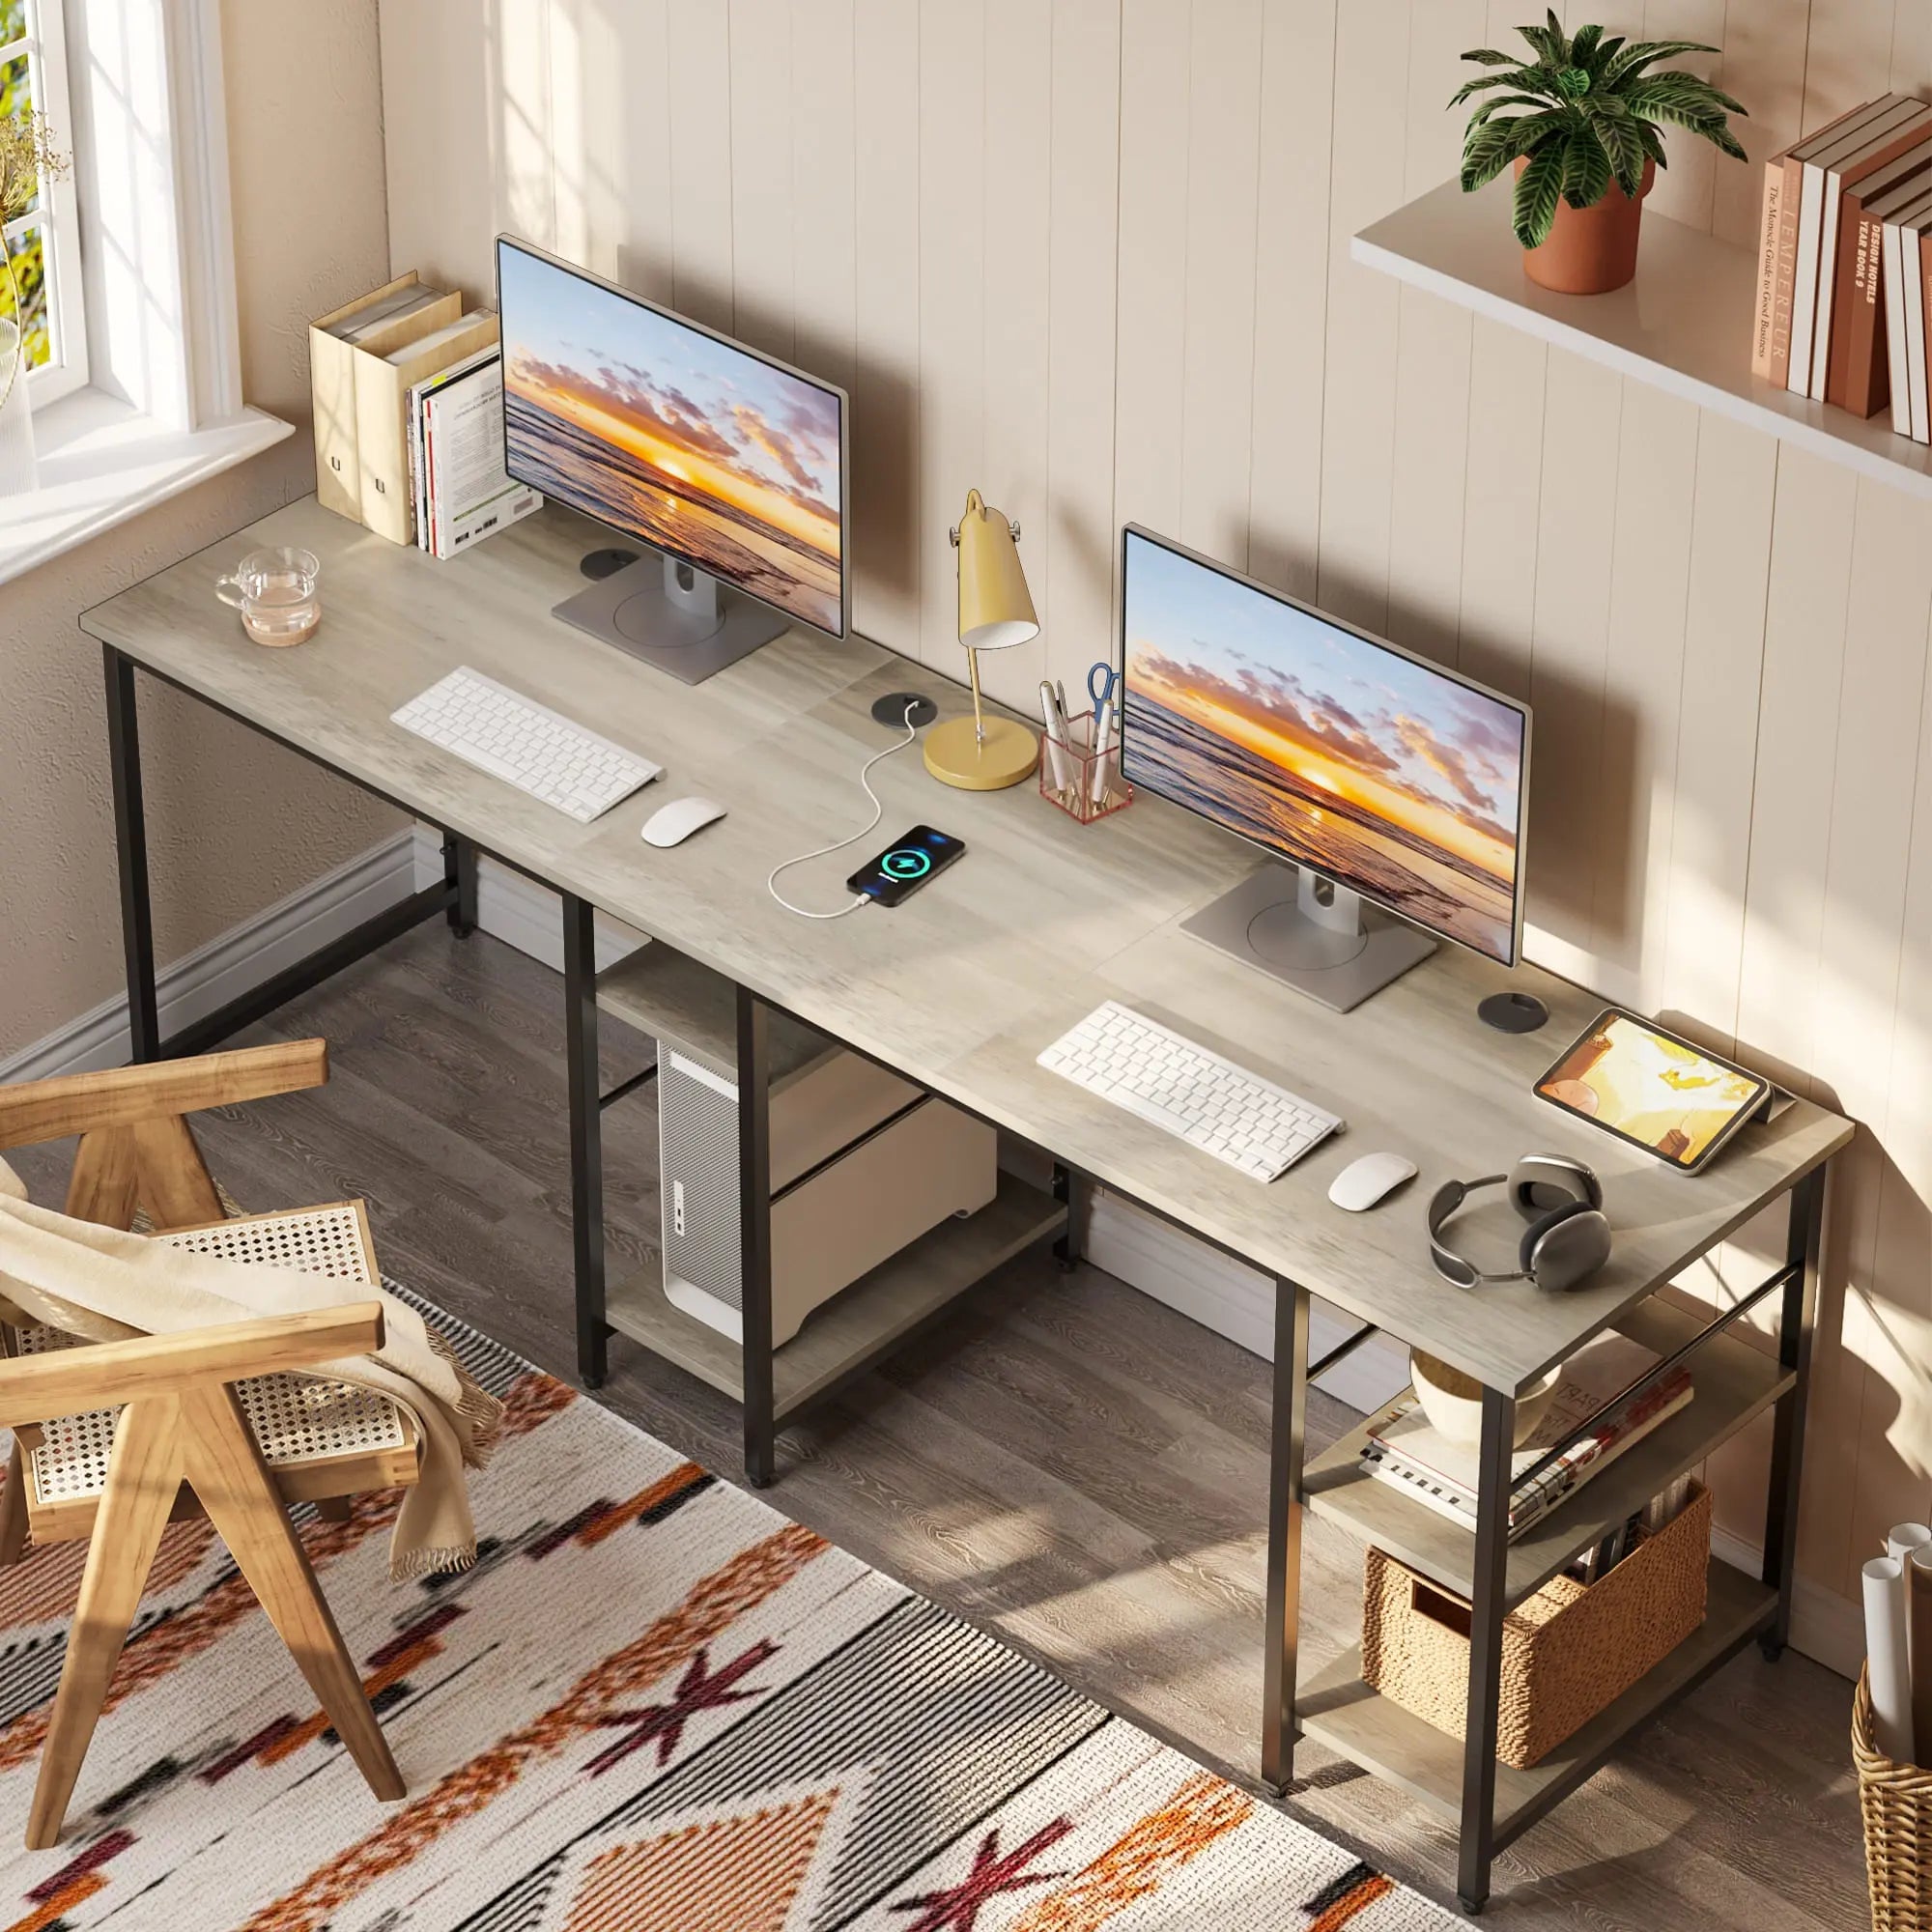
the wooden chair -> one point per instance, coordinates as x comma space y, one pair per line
210, 1420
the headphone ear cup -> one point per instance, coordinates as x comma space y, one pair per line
1565, 1247
1539, 1183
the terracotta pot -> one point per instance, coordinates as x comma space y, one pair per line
1590, 250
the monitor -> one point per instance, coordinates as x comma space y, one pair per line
1377, 775
728, 463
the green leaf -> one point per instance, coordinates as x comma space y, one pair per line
1521, 77
1606, 52
1686, 91
1538, 189
1641, 53
1489, 108
1586, 169
1491, 57
1574, 81
1620, 133
1548, 45
1653, 146
1583, 45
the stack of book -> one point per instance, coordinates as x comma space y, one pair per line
1405, 1451
459, 489
367, 361
1842, 283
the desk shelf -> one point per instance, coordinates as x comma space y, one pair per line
1683, 324
1339, 1710
1733, 1380
859, 1324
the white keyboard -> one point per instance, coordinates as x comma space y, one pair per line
1199, 1098
525, 744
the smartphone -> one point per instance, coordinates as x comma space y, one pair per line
906, 865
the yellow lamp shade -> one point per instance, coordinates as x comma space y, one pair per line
995, 606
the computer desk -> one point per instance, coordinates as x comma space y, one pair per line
957, 990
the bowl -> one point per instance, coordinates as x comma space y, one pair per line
1454, 1401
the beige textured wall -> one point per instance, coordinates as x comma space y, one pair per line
234, 823
1092, 256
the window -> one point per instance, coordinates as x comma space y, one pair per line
43, 246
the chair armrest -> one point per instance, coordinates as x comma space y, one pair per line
35, 1388
78, 1103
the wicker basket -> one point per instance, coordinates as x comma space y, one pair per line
1568, 1651
1895, 1801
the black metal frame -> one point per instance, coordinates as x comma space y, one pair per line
455, 896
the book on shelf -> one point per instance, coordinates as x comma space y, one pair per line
460, 490
386, 319
1777, 243
1405, 1451
1867, 146
1904, 294
1859, 377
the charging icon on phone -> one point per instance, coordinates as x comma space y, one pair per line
906, 863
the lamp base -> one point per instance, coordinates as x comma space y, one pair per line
956, 755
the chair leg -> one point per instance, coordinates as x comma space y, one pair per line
229, 1476
144, 1475
13, 1507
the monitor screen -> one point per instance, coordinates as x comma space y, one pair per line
1398, 781
673, 436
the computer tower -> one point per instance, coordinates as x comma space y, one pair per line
863, 1162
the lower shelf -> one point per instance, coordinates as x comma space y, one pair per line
866, 1319
1339, 1710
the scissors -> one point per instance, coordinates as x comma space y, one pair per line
1102, 681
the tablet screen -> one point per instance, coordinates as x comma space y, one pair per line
1653, 1089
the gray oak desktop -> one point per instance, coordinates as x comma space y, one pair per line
958, 989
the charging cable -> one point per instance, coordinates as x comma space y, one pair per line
864, 831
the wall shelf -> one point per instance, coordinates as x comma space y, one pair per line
1683, 325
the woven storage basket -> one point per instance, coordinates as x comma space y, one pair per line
1568, 1651
1895, 1801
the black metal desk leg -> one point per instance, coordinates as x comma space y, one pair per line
131, 844
1070, 1250
458, 874
586, 1136
755, 1237
1279, 1730
1795, 1331
1486, 1650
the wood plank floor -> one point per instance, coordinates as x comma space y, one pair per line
1067, 1463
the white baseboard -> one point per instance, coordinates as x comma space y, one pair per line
1823, 1625
241, 959
519, 911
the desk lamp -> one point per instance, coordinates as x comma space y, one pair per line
981, 754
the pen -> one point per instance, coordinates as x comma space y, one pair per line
1103, 726
1056, 743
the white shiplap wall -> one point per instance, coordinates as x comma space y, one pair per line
1092, 256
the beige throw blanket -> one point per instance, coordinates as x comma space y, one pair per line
105, 1286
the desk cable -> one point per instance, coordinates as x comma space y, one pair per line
858, 899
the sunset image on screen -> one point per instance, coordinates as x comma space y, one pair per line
1383, 774
1659, 1092
686, 442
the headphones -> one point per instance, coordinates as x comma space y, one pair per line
1568, 1239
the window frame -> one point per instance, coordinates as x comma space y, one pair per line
57, 214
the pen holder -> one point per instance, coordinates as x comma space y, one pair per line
1082, 779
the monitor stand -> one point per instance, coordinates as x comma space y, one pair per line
673, 617
1311, 934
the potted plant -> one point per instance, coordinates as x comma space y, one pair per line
29, 163
1584, 139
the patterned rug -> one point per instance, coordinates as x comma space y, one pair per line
655, 1705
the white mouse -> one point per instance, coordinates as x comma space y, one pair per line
1365, 1181
672, 823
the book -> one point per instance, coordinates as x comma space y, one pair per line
420, 475
1778, 249
384, 319
1856, 374
383, 383
472, 494
1905, 317
1809, 296
1406, 1450
1859, 377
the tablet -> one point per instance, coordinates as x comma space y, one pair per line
1630, 1078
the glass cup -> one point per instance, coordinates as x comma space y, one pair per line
275, 592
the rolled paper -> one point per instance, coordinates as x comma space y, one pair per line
1888, 1669
1904, 1538
1918, 1607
